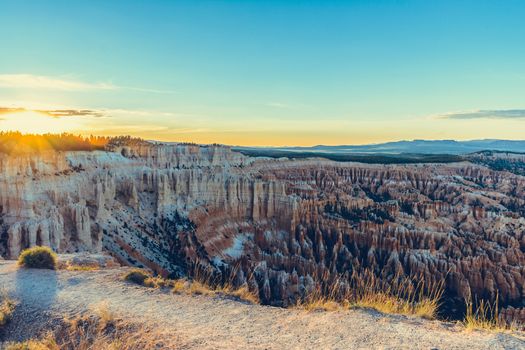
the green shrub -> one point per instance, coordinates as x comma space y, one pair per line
38, 258
138, 276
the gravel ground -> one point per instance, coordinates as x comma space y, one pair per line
201, 322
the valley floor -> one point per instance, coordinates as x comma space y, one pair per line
202, 322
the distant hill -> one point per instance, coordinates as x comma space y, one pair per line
412, 147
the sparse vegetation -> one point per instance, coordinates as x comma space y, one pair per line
201, 284
192, 287
38, 258
402, 295
140, 277
81, 268
7, 306
242, 293
485, 316
195, 287
205, 282
100, 330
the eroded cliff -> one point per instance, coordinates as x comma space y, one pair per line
282, 226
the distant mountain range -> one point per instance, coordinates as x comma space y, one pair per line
413, 147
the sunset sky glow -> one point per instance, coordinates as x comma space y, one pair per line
265, 72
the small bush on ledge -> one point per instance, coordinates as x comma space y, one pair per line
139, 277
38, 258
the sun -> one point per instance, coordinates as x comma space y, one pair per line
36, 123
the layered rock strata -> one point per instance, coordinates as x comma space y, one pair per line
280, 225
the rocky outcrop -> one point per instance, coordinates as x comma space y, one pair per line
281, 226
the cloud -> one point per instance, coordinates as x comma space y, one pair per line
9, 110
30, 81
68, 112
60, 113
487, 114
56, 113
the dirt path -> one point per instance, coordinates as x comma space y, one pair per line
216, 323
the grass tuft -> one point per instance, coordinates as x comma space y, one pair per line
139, 276
38, 258
401, 295
321, 304
242, 293
485, 316
7, 307
83, 268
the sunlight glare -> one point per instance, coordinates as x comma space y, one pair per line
36, 123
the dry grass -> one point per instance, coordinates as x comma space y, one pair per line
159, 282
321, 304
106, 316
144, 278
202, 283
46, 343
199, 288
206, 282
194, 287
100, 331
242, 293
185, 286
84, 268
7, 307
402, 295
486, 317
180, 286
140, 277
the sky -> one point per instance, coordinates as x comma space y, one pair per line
266, 73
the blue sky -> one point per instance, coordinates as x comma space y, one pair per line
265, 72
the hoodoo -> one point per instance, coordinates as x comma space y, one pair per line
279, 223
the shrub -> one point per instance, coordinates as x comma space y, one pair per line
7, 306
139, 277
38, 258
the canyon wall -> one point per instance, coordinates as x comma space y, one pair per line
283, 225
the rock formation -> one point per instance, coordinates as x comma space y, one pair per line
281, 225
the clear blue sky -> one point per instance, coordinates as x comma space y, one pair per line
266, 72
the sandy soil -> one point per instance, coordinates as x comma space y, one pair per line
201, 322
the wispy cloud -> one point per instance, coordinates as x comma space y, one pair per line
68, 112
60, 113
9, 110
486, 114
31, 81
55, 113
